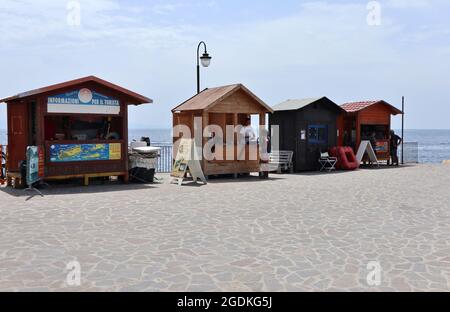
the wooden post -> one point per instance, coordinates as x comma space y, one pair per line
403, 130
124, 112
262, 125
358, 132
236, 137
205, 123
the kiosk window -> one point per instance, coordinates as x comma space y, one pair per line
318, 134
83, 128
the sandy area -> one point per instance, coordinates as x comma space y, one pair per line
305, 232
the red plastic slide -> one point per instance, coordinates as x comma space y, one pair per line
346, 158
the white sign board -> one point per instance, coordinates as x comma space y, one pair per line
83, 101
184, 162
364, 147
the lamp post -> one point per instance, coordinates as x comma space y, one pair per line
205, 60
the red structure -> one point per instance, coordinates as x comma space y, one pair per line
346, 157
361, 120
80, 125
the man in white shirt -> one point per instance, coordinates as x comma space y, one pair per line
247, 132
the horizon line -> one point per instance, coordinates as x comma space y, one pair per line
2, 129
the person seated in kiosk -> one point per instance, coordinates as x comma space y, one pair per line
247, 132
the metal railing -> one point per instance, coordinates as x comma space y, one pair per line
165, 160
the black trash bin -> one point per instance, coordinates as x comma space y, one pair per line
142, 175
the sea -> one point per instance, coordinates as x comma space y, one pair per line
428, 146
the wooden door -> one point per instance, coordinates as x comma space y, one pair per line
317, 143
17, 134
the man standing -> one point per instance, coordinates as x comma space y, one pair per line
394, 142
373, 141
247, 132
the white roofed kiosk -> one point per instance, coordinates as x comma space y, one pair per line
307, 127
80, 125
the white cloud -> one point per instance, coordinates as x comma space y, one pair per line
321, 49
402, 4
166, 8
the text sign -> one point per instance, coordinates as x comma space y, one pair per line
83, 101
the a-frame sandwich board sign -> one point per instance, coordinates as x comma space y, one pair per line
364, 147
186, 162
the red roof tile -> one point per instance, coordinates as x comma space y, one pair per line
354, 107
357, 106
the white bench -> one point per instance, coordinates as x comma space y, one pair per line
281, 161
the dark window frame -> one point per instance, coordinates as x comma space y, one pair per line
318, 139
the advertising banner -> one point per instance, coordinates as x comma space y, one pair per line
32, 165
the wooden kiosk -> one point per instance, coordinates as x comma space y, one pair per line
307, 128
361, 119
80, 127
231, 105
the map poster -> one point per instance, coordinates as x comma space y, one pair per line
85, 152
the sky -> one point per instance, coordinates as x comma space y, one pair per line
348, 50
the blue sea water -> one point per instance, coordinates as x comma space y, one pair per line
433, 145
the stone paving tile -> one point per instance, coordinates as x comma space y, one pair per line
301, 232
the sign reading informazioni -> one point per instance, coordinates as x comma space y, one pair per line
83, 101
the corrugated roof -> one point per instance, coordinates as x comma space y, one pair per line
354, 107
134, 97
209, 97
295, 104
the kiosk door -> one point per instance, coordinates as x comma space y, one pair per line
17, 134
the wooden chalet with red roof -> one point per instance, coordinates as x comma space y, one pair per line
361, 119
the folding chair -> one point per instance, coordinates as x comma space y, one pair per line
327, 162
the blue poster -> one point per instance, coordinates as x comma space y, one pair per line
84, 152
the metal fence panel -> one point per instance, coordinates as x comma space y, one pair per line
410, 153
165, 159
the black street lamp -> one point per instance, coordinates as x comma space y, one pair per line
206, 61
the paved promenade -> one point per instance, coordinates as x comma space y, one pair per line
305, 232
